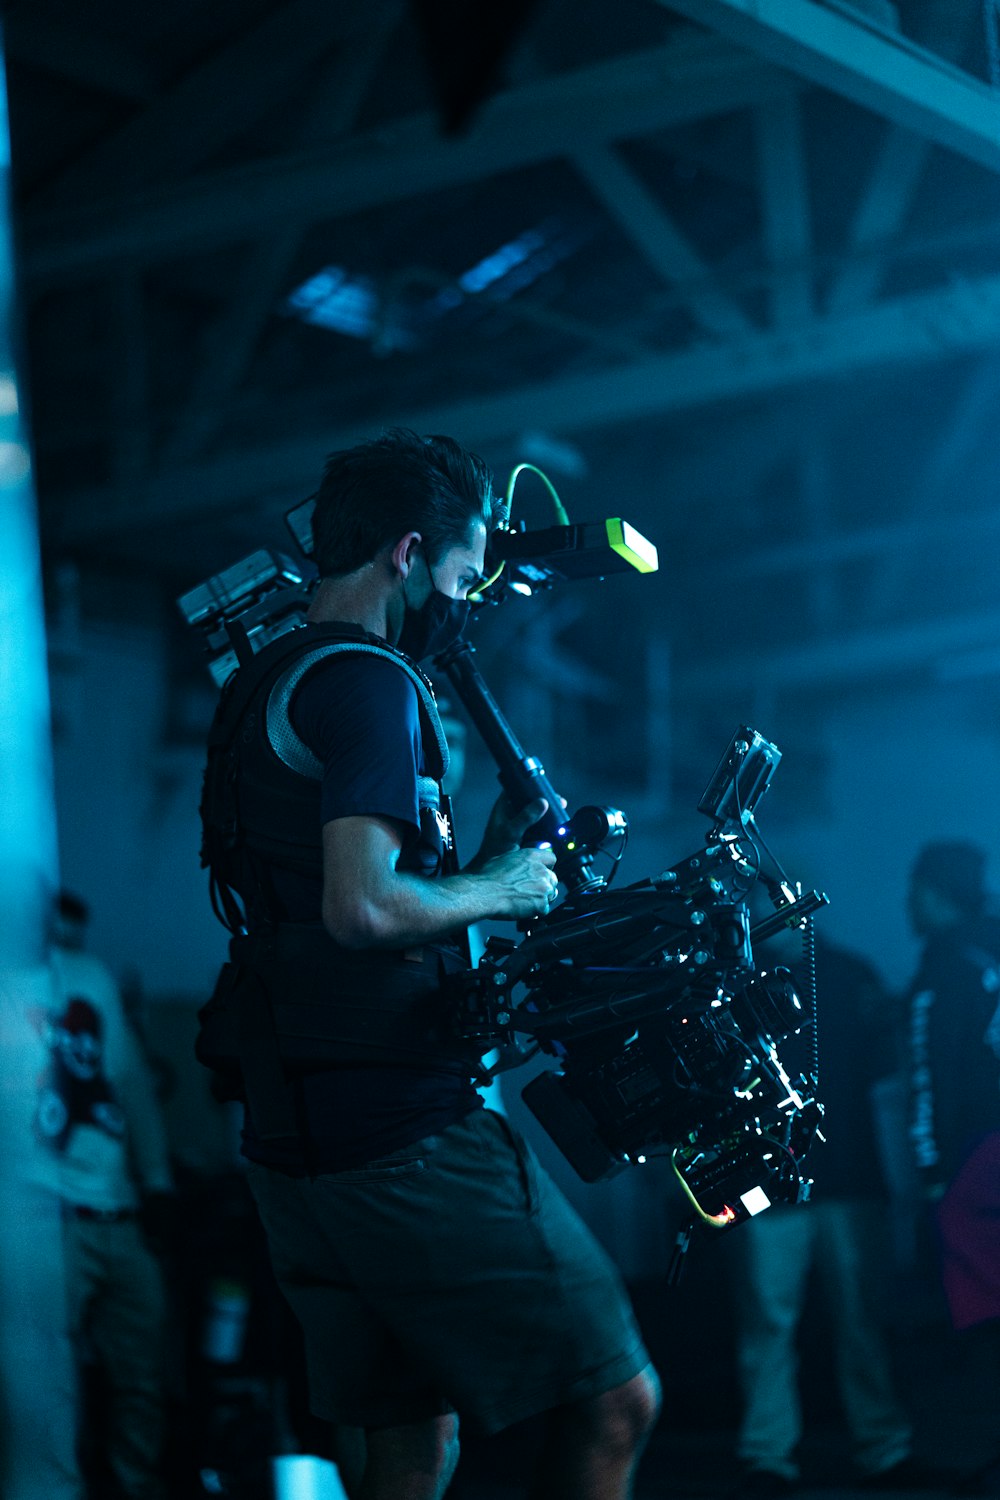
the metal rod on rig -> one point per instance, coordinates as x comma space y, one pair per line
599, 1012
791, 915
522, 776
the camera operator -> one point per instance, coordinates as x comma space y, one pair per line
434, 1268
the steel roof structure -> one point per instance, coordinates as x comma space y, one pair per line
770, 338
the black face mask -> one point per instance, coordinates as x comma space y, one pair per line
435, 626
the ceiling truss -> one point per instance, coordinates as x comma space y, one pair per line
928, 326
784, 316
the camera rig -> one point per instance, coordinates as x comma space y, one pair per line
664, 1027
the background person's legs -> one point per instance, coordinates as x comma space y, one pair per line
38, 1385
126, 1319
776, 1248
851, 1251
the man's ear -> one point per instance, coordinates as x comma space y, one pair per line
403, 552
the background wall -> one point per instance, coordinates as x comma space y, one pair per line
127, 802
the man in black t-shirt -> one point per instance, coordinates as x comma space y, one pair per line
433, 1266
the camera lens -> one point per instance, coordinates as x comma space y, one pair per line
769, 1005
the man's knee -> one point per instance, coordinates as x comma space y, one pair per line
428, 1449
621, 1419
446, 1444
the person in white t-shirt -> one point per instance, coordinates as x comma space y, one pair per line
99, 1118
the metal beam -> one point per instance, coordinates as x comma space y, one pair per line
845, 658
231, 343
883, 207
632, 95
924, 325
966, 428
648, 225
816, 494
887, 197
784, 189
521, 310
855, 57
80, 55
865, 544
332, 113
941, 245
208, 107
910, 329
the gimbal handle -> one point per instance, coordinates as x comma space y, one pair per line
522, 776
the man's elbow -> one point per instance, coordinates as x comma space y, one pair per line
355, 924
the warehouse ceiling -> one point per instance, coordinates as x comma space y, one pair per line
730, 268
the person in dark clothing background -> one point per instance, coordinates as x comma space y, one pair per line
840, 1232
954, 1037
952, 1003
432, 1264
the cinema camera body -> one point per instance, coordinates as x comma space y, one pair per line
664, 1029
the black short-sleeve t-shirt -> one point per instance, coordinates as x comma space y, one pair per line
359, 715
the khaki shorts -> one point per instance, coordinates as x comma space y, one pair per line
450, 1275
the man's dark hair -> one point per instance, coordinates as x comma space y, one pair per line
376, 492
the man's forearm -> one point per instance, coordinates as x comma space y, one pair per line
409, 910
368, 902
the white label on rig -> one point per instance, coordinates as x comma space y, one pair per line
755, 1201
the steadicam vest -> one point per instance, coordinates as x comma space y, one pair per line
290, 996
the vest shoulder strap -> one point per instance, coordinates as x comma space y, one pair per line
292, 750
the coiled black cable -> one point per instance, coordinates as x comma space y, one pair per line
809, 969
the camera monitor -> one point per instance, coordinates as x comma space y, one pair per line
741, 778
